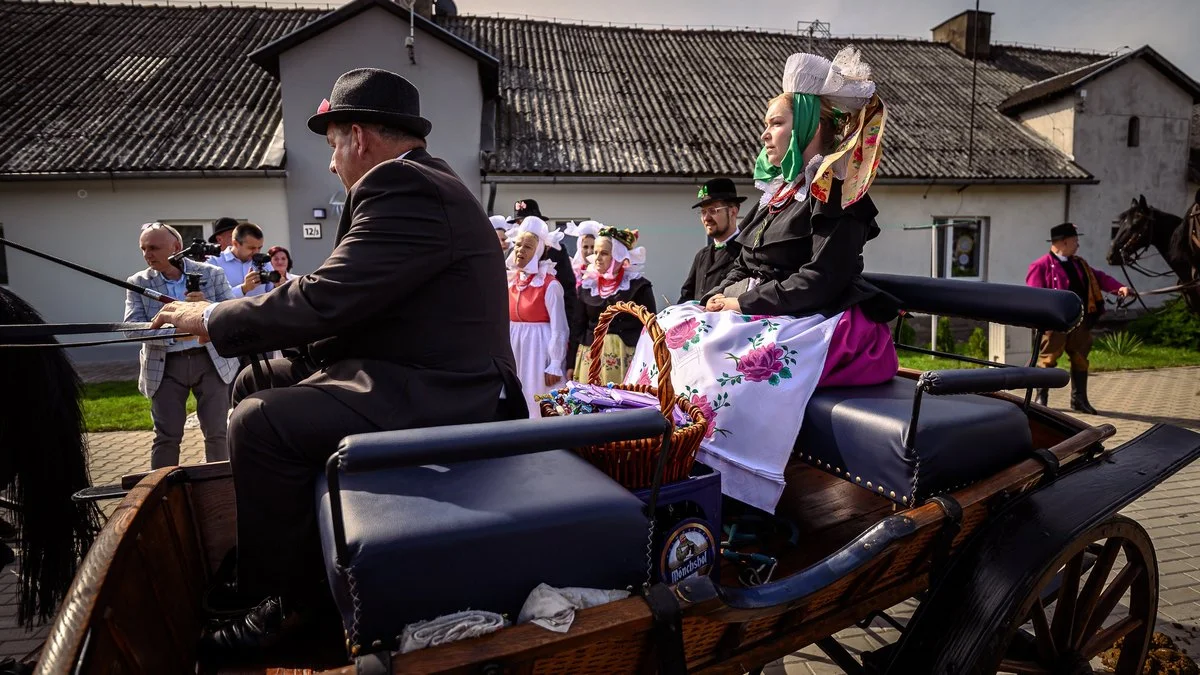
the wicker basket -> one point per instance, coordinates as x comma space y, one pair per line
632, 463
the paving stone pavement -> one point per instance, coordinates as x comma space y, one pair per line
1132, 401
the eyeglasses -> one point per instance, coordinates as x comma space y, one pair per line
712, 210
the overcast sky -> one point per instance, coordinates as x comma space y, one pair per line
1170, 26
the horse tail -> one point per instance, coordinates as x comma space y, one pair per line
44, 461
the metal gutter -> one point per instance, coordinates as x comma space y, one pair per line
126, 175
693, 180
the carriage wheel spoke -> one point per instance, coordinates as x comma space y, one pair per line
1092, 589
1023, 667
1111, 596
1042, 635
1105, 638
1068, 593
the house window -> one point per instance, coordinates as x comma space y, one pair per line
569, 244
1134, 137
3, 260
191, 229
962, 247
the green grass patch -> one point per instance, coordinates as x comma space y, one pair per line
118, 406
1146, 357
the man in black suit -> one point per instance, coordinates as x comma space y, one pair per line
406, 325
719, 204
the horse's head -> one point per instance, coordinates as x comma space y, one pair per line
1135, 232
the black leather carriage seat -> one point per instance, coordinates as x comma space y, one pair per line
857, 433
427, 541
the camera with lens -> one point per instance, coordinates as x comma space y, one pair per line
198, 250
260, 262
193, 281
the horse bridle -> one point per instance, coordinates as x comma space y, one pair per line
1132, 262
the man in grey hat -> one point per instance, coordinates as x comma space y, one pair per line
414, 256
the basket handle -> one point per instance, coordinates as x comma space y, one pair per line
662, 356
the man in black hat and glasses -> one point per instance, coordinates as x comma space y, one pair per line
406, 325
719, 204
1061, 269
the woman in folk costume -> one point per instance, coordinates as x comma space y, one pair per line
794, 313
537, 317
585, 235
614, 274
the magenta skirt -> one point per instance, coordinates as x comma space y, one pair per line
861, 352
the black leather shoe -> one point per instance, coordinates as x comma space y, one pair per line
222, 600
259, 629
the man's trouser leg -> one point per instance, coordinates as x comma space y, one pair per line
212, 408
279, 440
168, 411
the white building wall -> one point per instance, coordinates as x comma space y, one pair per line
1020, 219
96, 224
1156, 168
1054, 122
451, 98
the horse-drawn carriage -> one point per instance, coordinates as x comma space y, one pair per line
996, 514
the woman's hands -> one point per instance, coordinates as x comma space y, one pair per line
551, 380
720, 303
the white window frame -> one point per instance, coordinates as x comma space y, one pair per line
943, 235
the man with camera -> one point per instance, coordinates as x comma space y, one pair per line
244, 263
174, 367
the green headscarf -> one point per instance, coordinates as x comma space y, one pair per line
806, 114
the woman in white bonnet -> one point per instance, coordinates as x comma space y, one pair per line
537, 316
794, 313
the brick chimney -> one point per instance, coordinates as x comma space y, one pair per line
968, 33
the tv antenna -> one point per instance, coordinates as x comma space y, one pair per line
813, 29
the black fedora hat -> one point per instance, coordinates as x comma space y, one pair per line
222, 225
526, 207
1062, 231
717, 189
374, 96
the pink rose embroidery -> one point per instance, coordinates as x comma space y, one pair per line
706, 409
682, 334
764, 364
644, 378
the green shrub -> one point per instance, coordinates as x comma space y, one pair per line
1120, 344
945, 339
908, 334
977, 344
1171, 325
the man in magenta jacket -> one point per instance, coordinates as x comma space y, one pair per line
1061, 269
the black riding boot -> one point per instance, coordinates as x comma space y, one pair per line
1043, 396
1079, 399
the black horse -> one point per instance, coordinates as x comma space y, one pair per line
43, 461
1142, 226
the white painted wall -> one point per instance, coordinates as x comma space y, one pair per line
1021, 217
1055, 122
451, 98
96, 224
1020, 221
1156, 168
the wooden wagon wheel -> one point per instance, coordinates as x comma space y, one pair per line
1061, 630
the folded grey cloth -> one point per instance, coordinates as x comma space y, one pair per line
449, 628
554, 608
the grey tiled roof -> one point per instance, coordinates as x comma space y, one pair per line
591, 100
94, 88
